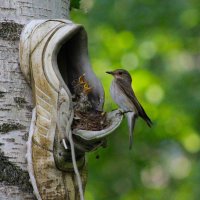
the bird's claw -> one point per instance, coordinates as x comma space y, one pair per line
121, 112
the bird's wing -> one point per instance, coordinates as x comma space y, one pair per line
127, 89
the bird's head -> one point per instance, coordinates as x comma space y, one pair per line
121, 74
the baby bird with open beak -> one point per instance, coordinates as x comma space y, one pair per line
124, 96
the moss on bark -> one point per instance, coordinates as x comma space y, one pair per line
13, 175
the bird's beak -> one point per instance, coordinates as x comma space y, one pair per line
110, 73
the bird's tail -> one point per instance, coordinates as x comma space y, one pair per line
144, 116
131, 117
148, 121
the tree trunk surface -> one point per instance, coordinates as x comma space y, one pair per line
15, 94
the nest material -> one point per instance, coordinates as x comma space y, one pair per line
90, 120
85, 116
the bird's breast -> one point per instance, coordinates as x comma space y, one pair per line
121, 98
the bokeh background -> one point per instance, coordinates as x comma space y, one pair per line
159, 43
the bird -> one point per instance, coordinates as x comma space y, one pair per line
124, 96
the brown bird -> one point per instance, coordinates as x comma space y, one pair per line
124, 96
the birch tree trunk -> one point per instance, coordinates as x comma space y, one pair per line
15, 94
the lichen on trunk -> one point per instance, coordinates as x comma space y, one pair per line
13, 175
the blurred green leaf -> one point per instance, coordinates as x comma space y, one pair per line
158, 42
75, 4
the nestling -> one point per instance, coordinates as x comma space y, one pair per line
124, 96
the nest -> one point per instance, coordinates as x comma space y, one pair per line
93, 120
85, 116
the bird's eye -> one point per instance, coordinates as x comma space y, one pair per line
120, 73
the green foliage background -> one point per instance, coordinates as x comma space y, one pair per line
158, 42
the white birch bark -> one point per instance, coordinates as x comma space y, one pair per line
15, 94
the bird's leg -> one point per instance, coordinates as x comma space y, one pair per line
124, 112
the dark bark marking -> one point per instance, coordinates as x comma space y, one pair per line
6, 127
25, 137
20, 101
2, 94
13, 175
9, 30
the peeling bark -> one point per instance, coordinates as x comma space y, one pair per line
16, 97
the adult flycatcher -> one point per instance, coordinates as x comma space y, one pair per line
124, 96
